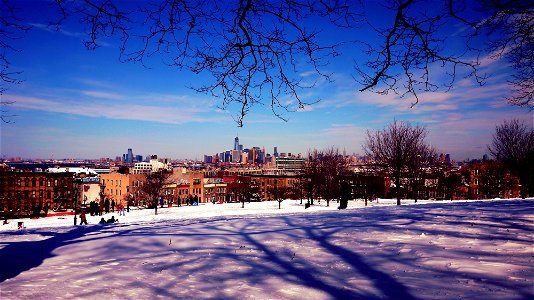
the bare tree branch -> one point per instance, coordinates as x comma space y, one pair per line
399, 149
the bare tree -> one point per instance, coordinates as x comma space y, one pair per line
414, 52
513, 145
255, 52
153, 186
326, 168
423, 157
12, 28
396, 148
252, 50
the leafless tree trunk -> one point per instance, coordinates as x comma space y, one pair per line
396, 149
153, 186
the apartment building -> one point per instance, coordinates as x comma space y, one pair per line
22, 193
123, 187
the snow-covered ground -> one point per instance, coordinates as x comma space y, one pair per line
439, 250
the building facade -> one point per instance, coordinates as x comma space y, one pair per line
27, 193
123, 188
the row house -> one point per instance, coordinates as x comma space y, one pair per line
271, 187
26, 193
123, 187
187, 183
490, 179
177, 192
215, 190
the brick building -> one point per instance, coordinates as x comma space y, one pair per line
123, 187
26, 193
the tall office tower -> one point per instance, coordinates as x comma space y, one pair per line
236, 156
236, 143
275, 151
129, 156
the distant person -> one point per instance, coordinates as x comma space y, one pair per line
5, 221
102, 221
112, 220
83, 218
121, 209
113, 205
45, 208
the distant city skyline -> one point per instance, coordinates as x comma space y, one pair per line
75, 103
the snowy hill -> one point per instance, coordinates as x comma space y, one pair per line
471, 250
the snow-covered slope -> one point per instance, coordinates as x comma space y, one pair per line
470, 250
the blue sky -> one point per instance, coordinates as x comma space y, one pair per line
76, 103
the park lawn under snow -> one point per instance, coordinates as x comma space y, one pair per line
448, 250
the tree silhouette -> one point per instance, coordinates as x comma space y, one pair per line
153, 186
399, 149
257, 52
513, 145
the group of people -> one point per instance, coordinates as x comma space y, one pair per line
189, 200
112, 220
83, 219
98, 208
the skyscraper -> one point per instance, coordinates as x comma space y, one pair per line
129, 156
275, 152
236, 143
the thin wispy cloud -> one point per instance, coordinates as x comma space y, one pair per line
103, 95
137, 112
63, 31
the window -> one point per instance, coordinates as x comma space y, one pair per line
476, 181
34, 195
34, 181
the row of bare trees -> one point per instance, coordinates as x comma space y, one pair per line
324, 173
401, 152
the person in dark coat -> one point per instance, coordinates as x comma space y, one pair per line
106, 205
46, 207
112, 220
83, 218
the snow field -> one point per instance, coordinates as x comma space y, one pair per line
468, 250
